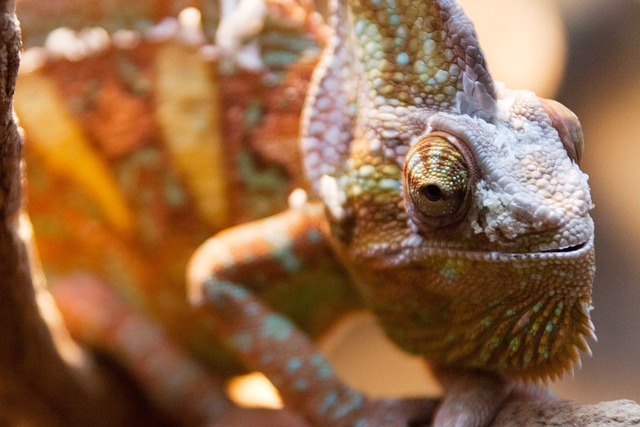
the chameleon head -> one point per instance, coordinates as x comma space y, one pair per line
458, 205
493, 264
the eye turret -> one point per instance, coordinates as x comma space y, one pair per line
438, 181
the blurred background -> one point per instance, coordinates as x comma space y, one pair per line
585, 54
602, 85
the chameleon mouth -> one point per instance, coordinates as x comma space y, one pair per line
567, 249
412, 255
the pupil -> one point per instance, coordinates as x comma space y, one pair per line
432, 192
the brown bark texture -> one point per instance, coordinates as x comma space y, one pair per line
37, 386
563, 413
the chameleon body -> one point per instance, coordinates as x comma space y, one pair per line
456, 204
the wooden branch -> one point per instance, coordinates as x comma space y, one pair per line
37, 386
563, 413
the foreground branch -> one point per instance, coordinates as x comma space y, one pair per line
37, 386
604, 414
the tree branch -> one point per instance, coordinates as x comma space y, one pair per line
563, 413
37, 386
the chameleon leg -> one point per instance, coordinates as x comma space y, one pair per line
170, 379
473, 398
270, 343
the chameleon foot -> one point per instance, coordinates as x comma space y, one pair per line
473, 398
270, 343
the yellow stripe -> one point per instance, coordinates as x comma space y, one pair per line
51, 129
188, 112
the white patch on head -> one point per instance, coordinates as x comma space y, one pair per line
498, 219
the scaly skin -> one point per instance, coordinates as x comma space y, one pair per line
170, 378
457, 205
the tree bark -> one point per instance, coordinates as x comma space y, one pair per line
37, 386
604, 414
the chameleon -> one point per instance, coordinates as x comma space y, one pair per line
456, 204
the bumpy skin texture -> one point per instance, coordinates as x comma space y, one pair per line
457, 205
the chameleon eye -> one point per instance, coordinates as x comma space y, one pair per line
437, 181
567, 125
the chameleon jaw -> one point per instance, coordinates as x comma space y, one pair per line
567, 249
411, 255
524, 315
